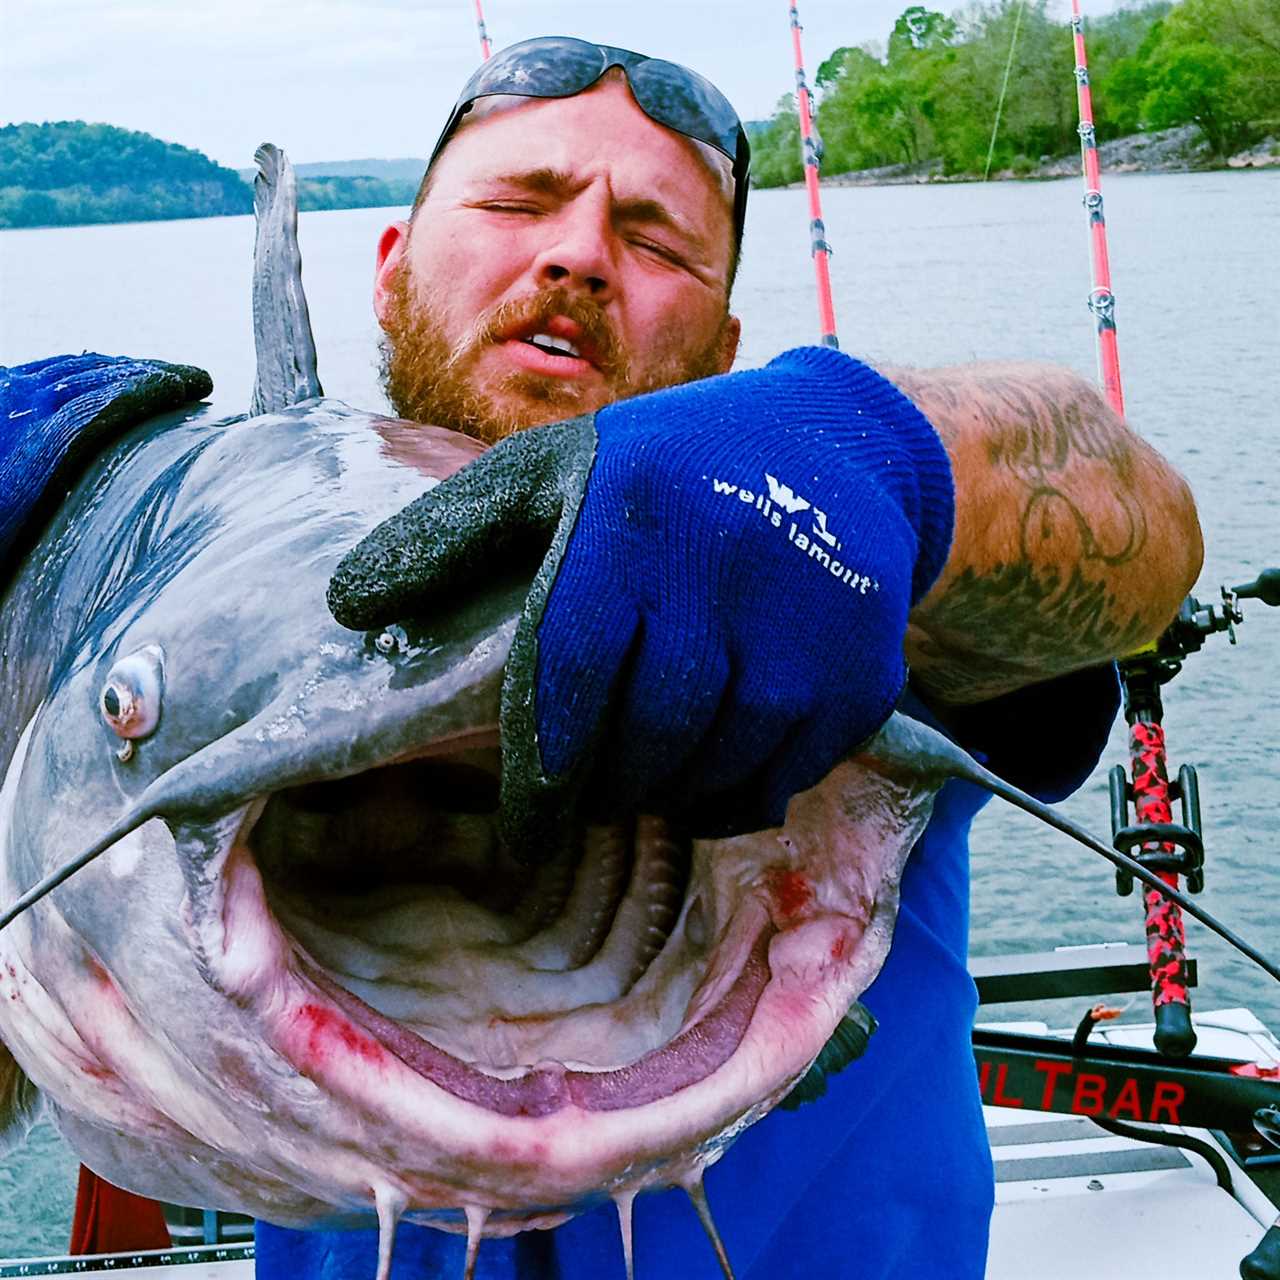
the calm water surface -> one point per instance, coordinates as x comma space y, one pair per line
922, 276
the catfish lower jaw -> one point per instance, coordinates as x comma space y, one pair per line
687, 1059
554, 1139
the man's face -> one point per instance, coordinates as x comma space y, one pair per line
571, 223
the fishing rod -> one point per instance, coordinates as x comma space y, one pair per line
1179, 848
1101, 299
812, 146
485, 47
1170, 849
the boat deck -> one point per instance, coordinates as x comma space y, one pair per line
1073, 1200
1081, 1202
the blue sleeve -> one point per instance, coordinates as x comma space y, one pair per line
57, 414
1045, 738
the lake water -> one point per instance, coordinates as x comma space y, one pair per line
923, 275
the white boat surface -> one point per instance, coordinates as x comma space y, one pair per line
1073, 1200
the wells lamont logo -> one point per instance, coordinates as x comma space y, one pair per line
818, 542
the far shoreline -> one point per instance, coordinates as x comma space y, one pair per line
1178, 150
190, 217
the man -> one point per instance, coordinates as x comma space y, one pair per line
577, 248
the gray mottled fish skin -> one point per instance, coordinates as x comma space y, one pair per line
213, 542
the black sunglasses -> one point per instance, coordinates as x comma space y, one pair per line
672, 95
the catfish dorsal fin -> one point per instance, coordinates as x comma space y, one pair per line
19, 1102
286, 351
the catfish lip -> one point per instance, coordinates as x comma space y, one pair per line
538, 1089
694, 1054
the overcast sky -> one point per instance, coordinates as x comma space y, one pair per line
341, 79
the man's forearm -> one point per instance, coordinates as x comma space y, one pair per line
1074, 541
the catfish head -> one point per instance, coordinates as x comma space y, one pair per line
305, 980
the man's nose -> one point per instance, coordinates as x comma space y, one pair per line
579, 251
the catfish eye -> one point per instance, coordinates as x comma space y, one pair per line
130, 698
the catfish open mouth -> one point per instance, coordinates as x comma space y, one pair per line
520, 990
531, 1040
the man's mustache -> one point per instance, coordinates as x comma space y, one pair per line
528, 314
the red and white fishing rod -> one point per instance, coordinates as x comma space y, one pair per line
1101, 300
812, 160
1141, 675
485, 47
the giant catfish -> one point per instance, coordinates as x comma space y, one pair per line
303, 979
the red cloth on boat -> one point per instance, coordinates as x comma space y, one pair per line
109, 1220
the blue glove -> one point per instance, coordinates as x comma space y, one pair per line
55, 414
727, 569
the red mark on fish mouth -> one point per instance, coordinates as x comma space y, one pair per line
792, 891
328, 1033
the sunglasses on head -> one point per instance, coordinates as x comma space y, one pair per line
672, 95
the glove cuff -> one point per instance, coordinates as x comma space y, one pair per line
924, 486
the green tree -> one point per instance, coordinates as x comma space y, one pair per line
1199, 83
1120, 49
776, 158
932, 95
1217, 65
918, 29
69, 172
831, 69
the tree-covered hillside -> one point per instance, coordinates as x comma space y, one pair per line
70, 172
336, 192
930, 93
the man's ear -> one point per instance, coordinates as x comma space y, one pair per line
729, 344
391, 250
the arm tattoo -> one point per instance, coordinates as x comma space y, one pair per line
1040, 440
1053, 548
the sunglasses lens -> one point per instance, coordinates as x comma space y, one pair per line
682, 100
550, 67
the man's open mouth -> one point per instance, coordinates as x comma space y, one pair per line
558, 345
553, 346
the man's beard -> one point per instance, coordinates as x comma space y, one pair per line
429, 379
